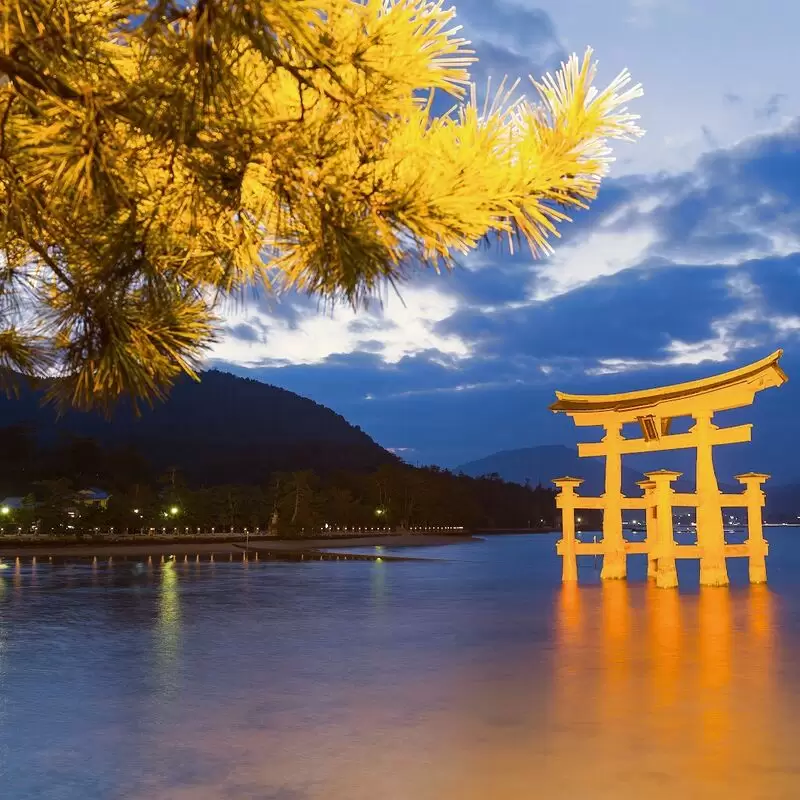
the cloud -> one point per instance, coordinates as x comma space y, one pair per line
737, 205
666, 278
523, 30
772, 107
601, 253
749, 325
245, 332
631, 317
710, 139
644, 278
395, 329
511, 40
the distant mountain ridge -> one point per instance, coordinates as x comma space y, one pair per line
783, 502
218, 430
543, 463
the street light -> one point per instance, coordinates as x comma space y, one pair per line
5, 510
174, 510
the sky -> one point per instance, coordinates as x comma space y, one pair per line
687, 264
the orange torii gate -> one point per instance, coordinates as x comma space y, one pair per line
654, 410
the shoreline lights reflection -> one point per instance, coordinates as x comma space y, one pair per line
168, 628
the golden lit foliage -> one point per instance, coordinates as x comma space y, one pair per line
156, 155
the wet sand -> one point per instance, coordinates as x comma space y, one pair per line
392, 540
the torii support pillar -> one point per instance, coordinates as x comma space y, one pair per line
651, 526
710, 530
666, 574
757, 544
615, 561
565, 500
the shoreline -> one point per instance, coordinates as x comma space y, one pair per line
339, 542
262, 548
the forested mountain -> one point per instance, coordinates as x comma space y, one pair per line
224, 429
230, 452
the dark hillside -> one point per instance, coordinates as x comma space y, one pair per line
224, 429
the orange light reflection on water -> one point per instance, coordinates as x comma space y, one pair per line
641, 692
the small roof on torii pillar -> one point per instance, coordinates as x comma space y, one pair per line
722, 392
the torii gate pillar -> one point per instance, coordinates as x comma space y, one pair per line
759, 548
615, 562
710, 528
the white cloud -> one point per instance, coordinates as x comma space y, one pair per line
716, 350
601, 253
408, 330
643, 205
786, 324
459, 388
625, 237
730, 335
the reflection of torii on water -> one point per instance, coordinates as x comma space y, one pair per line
654, 410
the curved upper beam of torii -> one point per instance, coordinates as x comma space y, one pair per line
733, 389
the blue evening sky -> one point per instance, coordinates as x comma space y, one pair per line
688, 263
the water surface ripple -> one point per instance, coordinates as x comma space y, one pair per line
473, 676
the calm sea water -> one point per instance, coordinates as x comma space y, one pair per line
471, 676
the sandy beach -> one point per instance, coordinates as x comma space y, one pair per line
264, 547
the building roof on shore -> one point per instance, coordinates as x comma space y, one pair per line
94, 494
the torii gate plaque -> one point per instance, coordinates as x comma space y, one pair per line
654, 410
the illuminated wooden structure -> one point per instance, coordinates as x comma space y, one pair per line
654, 410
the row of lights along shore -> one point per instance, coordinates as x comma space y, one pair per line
168, 560
384, 530
327, 529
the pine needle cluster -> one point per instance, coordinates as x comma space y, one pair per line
159, 155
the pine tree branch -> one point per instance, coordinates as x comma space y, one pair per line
45, 83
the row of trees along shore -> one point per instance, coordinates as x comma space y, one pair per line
299, 503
